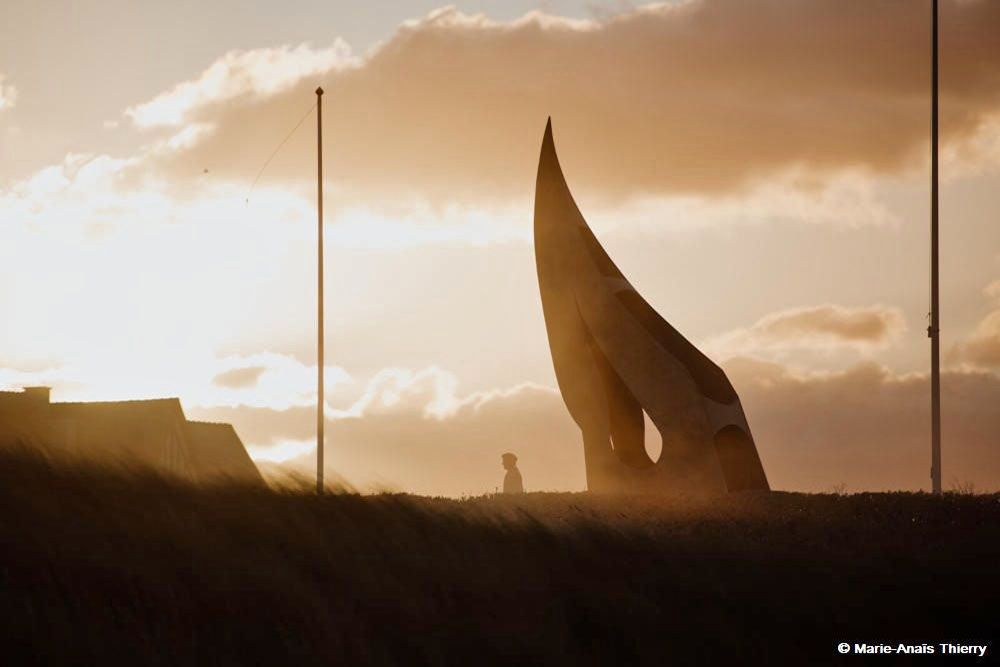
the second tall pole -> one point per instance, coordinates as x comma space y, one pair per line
934, 328
320, 402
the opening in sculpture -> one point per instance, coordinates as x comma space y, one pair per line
615, 358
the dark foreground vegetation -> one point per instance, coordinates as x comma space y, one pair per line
109, 569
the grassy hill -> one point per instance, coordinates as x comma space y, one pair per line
115, 569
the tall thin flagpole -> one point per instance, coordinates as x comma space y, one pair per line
319, 277
934, 329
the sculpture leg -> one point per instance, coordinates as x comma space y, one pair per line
689, 462
739, 460
600, 461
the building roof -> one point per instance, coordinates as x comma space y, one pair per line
153, 431
164, 407
218, 451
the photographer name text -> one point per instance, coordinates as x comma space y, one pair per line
977, 650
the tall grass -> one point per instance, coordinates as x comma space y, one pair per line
109, 568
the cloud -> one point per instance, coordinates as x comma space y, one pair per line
262, 380
238, 378
982, 348
823, 328
8, 94
410, 430
696, 97
257, 73
460, 454
865, 427
75, 194
281, 452
432, 392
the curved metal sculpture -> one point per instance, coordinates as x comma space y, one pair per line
615, 357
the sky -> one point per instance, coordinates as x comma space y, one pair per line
760, 173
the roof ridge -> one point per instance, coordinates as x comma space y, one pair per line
169, 399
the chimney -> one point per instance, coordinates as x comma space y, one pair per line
38, 395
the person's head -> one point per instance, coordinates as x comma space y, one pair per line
509, 461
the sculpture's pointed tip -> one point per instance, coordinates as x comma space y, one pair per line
548, 144
549, 172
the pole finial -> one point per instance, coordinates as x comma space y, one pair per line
319, 91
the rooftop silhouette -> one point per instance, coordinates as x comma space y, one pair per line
154, 433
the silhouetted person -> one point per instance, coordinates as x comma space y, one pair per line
512, 480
